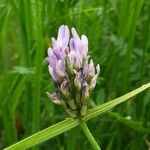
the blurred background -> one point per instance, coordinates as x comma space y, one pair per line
119, 40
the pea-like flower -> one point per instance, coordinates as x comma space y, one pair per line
73, 74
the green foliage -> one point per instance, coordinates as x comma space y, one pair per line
119, 40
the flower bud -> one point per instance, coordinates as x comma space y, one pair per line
72, 104
60, 68
64, 88
93, 81
85, 94
75, 60
69, 67
71, 113
54, 98
91, 70
77, 82
83, 110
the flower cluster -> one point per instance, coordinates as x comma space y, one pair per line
73, 74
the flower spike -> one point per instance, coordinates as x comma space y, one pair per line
72, 72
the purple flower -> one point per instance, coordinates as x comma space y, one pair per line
71, 71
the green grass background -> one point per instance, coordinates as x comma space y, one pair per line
119, 40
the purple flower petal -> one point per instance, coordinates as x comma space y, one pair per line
74, 33
59, 54
61, 32
53, 42
91, 70
72, 45
85, 67
93, 81
63, 37
53, 74
84, 41
52, 59
80, 46
75, 59
60, 68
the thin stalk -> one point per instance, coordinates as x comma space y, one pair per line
89, 135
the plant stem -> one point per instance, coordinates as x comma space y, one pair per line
89, 135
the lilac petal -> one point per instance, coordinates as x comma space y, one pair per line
63, 37
84, 41
53, 74
49, 51
66, 38
72, 44
93, 81
61, 32
52, 59
60, 68
53, 42
59, 54
80, 46
75, 45
91, 69
85, 68
74, 59
67, 50
74, 33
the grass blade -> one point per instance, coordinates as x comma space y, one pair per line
38, 70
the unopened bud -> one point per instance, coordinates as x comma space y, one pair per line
72, 104
71, 113
85, 94
91, 69
93, 81
64, 89
53, 97
83, 110
78, 101
69, 67
77, 82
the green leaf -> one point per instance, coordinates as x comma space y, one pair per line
69, 123
106, 106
